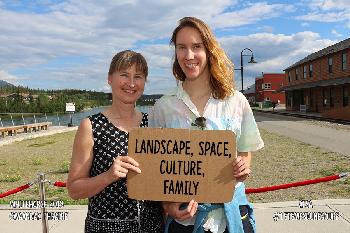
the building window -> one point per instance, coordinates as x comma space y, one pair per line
289, 76
331, 97
310, 70
304, 72
266, 86
345, 96
267, 99
296, 74
330, 65
343, 61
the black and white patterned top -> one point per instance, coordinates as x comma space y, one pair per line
111, 210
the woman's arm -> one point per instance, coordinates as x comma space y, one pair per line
79, 183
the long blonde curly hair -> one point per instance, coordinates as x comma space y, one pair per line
220, 66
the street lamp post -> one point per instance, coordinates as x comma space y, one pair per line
251, 61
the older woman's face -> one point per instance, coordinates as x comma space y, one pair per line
127, 85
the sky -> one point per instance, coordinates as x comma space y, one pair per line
56, 44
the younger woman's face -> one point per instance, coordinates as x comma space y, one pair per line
191, 53
127, 85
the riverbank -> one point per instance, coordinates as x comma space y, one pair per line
23, 136
56, 119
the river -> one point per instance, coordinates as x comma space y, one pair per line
58, 119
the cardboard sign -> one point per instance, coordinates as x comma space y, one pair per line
179, 165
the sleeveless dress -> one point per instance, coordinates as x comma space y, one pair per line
111, 210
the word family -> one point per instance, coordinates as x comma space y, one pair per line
187, 187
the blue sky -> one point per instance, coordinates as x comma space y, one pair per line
56, 44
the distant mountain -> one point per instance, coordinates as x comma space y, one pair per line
4, 84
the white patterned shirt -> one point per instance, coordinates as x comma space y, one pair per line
176, 110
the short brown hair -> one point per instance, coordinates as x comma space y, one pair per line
124, 59
220, 66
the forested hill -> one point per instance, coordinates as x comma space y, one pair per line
23, 99
4, 84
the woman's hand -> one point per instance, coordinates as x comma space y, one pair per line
173, 210
121, 166
241, 169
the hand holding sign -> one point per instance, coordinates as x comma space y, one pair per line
241, 170
174, 210
179, 165
120, 167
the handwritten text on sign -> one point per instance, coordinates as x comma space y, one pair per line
180, 165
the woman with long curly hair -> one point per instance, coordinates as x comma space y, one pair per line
205, 98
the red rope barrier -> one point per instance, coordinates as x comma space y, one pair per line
268, 188
295, 184
13, 191
59, 184
248, 190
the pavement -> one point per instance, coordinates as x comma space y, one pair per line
330, 138
324, 216
316, 216
281, 110
309, 216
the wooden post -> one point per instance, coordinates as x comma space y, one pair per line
41, 181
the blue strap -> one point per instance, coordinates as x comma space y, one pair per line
202, 212
232, 213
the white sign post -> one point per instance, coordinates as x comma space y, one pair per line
70, 108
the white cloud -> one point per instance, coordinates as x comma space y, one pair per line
160, 84
90, 28
325, 17
337, 34
93, 31
71, 43
4, 75
105, 88
158, 55
160, 17
273, 52
328, 4
266, 28
253, 13
327, 11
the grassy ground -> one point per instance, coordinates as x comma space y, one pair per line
20, 162
282, 160
285, 160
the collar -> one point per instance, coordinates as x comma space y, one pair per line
182, 95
